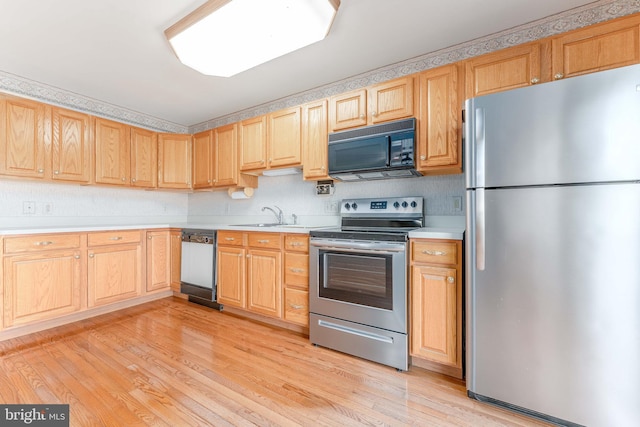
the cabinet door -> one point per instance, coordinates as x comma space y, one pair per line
296, 270
203, 160
296, 306
596, 48
231, 266
158, 260
391, 100
284, 138
439, 147
348, 110
71, 148
434, 314
506, 69
40, 286
225, 155
176, 257
112, 152
253, 144
174, 161
264, 284
144, 158
314, 140
22, 138
114, 274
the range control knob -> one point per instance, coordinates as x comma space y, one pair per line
405, 204
414, 204
354, 206
396, 205
347, 206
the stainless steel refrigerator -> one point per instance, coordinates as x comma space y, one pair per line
553, 249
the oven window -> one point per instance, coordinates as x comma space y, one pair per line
362, 279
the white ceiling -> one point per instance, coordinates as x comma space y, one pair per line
115, 51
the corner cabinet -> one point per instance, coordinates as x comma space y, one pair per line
436, 305
439, 149
174, 161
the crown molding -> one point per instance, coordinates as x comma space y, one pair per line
599, 11
572, 19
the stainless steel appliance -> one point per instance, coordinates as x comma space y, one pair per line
197, 269
375, 152
553, 264
358, 280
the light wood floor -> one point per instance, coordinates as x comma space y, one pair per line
174, 363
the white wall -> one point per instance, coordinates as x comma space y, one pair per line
295, 196
87, 205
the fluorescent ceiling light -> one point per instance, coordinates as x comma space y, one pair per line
226, 37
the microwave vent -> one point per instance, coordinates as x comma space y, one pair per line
381, 129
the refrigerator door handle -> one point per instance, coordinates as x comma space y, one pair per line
480, 230
479, 132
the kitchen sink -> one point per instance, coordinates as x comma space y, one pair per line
261, 224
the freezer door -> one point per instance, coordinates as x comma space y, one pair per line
582, 129
554, 311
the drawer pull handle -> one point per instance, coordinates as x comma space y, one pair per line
263, 241
296, 306
115, 238
434, 253
297, 244
44, 243
229, 239
296, 270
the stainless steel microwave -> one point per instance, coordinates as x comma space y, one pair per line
381, 151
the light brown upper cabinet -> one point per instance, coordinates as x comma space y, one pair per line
22, 138
439, 148
144, 158
203, 160
314, 140
270, 141
225, 155
112, 144
596, 48
174, 161
505, 69
379, 103
71, 146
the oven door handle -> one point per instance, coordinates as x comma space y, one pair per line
360, 247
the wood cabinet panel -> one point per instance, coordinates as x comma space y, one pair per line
225, 155
264, 283
252, 134
392, 100
296, 242
265, 240
112, 152
22, 138
231, 276
202, 161
296, 270
158, 260
231, 238
348, 110
435, 252
174, 161
176, 259
71, 146
41, 286
296, 306
314, 140
596, 48
284, 140
439, 148
144, 158
114, 273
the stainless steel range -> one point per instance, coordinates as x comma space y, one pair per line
358, 281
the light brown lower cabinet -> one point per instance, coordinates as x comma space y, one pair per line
176, 258
436, 305
296, 279
158, 260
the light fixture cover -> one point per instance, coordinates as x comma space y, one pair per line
226, 37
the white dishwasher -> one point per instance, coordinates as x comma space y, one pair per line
198, 266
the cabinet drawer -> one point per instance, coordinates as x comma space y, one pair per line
296, 242
265, 240
40, 242
113, 237
296, 307
434, 252
231, 238
296, 270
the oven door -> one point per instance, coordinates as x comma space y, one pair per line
359, 281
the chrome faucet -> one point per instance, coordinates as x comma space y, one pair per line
279, 214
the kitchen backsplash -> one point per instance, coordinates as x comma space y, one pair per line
295, 196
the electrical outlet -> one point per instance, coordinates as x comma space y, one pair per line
29, 208
456, 204
47, 208
331, 207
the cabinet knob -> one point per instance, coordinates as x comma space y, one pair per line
40, 170
362, 116
124, 179
91, 255
535, 80
322, 168
56, 172
149, 237
558, 76
262, 162
208, 181
76, 256
374, 113
133, 180
248, 256
423, 157
450, 279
